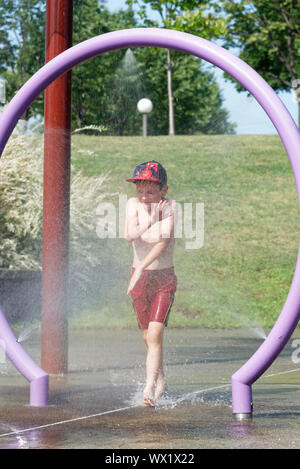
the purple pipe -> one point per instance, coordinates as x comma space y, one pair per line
264, 94
268, 351
37, 377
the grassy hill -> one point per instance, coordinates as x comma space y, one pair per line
242, 273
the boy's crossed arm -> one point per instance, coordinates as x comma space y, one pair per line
133, 231
133, 228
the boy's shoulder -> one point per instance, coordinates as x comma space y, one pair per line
169, 199
132, 206
132, 201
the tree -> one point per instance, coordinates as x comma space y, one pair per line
22, 32
91, 80
107, 88
22, 53
184, 15
125, 90
268, 36
104, 91
198, 102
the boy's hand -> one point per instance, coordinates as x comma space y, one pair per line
136, 275
161, 210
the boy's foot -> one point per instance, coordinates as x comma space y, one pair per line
161, 388
148, 401
149, 396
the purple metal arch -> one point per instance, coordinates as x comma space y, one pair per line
254, 83
38, 378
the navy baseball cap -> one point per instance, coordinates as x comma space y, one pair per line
149, 171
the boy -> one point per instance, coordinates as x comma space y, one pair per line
149, 227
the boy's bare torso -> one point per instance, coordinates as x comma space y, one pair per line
144, 244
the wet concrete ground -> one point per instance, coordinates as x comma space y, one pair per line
98, 404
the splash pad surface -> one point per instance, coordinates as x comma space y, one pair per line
98, 405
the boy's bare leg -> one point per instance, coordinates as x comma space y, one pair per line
153, 338
161, 385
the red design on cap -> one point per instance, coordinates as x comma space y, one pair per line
149, 172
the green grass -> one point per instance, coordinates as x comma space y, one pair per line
246, 264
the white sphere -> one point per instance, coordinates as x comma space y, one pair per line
144, 106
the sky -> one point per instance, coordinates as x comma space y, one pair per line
245, 111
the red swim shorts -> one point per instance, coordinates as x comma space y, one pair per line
153, 295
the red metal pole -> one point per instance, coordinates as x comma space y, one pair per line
56, 194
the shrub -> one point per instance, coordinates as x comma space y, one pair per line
21, 207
